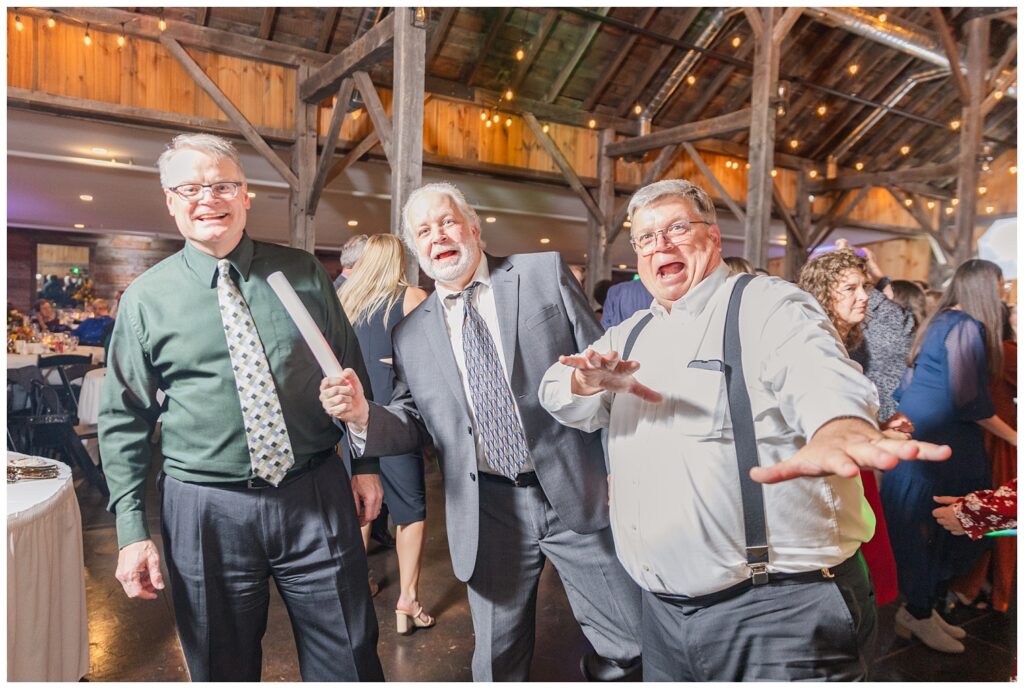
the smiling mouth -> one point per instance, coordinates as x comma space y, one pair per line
444, 255
210, 216
670, 269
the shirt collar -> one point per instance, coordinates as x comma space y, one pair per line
204, 266
482, 275
694, 301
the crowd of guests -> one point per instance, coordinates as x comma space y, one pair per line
93, 331
651, 460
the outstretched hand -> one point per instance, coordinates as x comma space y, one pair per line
599, 372
343, 398
843, 447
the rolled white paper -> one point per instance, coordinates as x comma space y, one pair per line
304, 322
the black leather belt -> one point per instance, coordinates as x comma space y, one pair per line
823, 574
256, 483
523, 480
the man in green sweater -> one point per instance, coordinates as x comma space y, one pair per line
251, 487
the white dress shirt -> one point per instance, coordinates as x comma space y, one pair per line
676, 512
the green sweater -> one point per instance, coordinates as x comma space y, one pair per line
169, 336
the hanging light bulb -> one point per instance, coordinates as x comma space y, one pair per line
859, 166
883, 17
508, 94
775, 173
592, 123
908, 202
930, 204
982, 191
853, 69
1013, 169
487, 124
120, 38
50, 22
638, 109
904, 150
520, 53
88, 39
780, 111
17, 23
736, 40
793, 143
496, 119
546, 128
508, 122
813, 174
691, 80
822, 109
949, 210
483, 115
954, 201
954, 125
162, 24
990, 209
998, 95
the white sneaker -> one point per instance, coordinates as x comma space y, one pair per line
927, 631
950, 629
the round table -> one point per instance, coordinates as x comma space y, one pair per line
47, 627
89, 399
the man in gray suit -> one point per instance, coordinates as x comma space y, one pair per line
519, 487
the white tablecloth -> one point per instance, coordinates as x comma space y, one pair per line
22, 360
89, 401
47, 627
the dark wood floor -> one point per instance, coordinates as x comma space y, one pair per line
136, 640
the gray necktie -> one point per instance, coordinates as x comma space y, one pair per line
270, 449
499, 426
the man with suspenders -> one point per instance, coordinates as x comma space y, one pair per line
730, 383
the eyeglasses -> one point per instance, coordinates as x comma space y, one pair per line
219, 190
676, 233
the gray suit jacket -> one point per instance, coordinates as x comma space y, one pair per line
542, 313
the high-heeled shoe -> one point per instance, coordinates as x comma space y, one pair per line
927, 631
407, 621
950, 629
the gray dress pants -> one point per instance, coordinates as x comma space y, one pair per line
222, 547
519, 531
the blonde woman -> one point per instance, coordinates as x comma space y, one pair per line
375, 298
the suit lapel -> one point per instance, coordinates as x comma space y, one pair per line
505, 283
437, 336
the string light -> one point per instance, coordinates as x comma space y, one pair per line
747, 166
930, 204
483, 115
508, 122
954, 125
691, 80
545, 129
487, 124
17, 23
162, 24
858, 166
908, 202
949, 210
51, 22
813, 174
780, 111
998, 95
592, 123
793, 143
822, 109
904, 150
1013, 169
508, 94
736, 40
120, 38
88, 39
883, 17
775, 173
520, 54
954, 201
990, 209
627, 224
982, 191
853, 69
496, 119
638, 109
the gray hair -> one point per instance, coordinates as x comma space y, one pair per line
216, 147
443, 188
681, 188
352, 250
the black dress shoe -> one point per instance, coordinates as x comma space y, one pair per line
597, 669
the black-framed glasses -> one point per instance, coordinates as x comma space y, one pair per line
676, 233
219, 190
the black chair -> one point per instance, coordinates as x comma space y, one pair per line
22, 395
64, 360
72, 389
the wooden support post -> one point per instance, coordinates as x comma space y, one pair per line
302, 233
598, 260
762, 135
977, 31
796, 251
407, 114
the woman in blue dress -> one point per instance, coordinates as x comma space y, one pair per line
945, 395
375, 298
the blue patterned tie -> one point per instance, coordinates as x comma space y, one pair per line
499, 427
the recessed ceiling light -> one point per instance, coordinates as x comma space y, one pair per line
79, 226
252, 194
545, 240
627, 224
353, 223
99, 150
85, 197
622, 266
490, 218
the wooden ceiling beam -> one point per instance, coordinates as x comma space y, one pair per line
710, 176
323, 44
364, 52
692, 131
492, 35
570, 175
267, 23
991, 101
855, 180
656, 63
1003, 62
202, 15
234, 114
440, 33
582, 46
534, 48
713, 89
374, 107
952, 52
612, 70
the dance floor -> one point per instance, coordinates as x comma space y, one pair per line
136, 640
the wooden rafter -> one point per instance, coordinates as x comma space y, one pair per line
709, 175
582, 46
991, 101
375, 109
440, 32
709, 92
785, 23
492, 35
570, 175
329, 144
855, 180
533, 50
232, 112
952, 53
364, 52
353, 155
267, 23
323, 44
612, 69
656, 62
202, 15
693, 131
1003, 62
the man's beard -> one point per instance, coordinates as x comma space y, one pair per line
449, 273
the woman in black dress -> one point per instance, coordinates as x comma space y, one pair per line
375, 298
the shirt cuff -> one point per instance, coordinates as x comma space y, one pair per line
357, 439
131, 528
817, 415
557, 395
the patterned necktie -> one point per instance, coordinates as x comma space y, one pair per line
270, 449
500, 429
